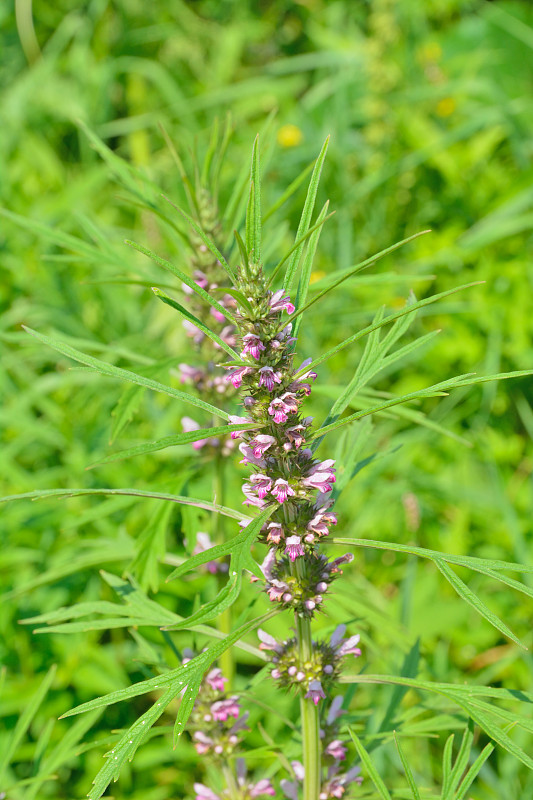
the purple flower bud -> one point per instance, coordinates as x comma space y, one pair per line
294, 547
310, 605
219, 749
292, 670
287, 597
315, 691
300, 676
269, 378
252, 345
282, 490
276, 673
321, 587
328, 669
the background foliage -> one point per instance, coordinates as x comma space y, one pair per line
430, 112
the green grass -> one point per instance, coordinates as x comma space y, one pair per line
430, 114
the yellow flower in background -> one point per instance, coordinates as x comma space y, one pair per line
446, 106
289, 136
317, 275
431, 51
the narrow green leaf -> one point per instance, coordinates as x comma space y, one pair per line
407, 769
299, 244
353, 270
253, 219
24, 722
437, 390
305, 220
210, 153
307, 266
124, 374
473, 600
473, 772
370, 767
173, 441
447, 765
199, 324
289, 191
238, 295
182, 276
211, 246
185, 501
461, 763
391, 318
239, 551
484, 565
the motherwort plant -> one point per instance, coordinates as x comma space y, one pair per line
254, 320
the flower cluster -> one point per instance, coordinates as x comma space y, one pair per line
245, 789
284, 474
334, 752
217, 723
319, 671
216, 720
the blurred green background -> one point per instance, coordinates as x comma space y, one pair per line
430, 108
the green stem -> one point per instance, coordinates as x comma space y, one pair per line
227, 664
309, 712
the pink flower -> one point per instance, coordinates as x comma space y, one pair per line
261, 443
282, 490
235, 420
194, 332
200, 279
189, 373
251, 496
320, 523
218, 315
335, 709
204, 793
278, 410
276, 589
190, 425
320, 480
237, 375
202, 742
280, 303
262, 484
253, 345
268, 642
342, 646
295, 435
224, 709
336, 750
261, 787
275, 532
293, 547
249, 457
269, 378
216, 680
315, 692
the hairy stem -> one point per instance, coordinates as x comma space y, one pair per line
230, 782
